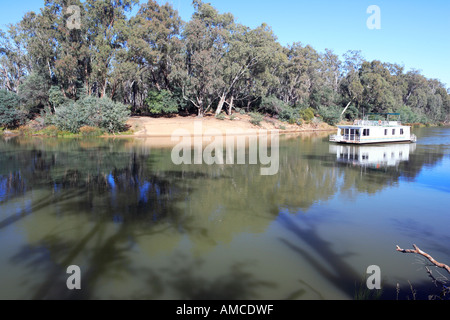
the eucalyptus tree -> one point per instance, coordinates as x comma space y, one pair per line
200, 63
351, 86
249, 57
105, 22
14, 62
152, 41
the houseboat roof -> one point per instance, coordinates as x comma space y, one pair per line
372, 123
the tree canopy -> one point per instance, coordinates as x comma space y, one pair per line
149, 58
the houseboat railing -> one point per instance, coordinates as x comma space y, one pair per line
379, 123
351, 137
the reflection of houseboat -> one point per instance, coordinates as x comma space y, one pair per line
374, 156
370, 131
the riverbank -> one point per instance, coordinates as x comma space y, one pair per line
240, 124
165, 127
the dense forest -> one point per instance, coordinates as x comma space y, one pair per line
126, 58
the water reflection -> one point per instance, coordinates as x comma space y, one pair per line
140, 226
373, 156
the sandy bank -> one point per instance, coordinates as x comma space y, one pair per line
166, 127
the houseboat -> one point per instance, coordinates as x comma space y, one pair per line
374, 131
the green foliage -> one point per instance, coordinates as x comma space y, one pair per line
331, 114
220, 116
162, 102
125, 53
407, 115
55, 96
307, 114
11, 115
93, 112
351, 113
256, 118
34, 92
114, 115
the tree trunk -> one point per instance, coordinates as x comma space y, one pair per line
348, 105
220, 105
230, 105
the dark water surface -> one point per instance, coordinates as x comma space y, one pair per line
140, 227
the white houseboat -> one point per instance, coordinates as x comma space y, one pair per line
373, 131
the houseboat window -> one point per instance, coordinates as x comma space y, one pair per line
401, 131
357, 132
346, 131
366, 132
393, 132
385, 132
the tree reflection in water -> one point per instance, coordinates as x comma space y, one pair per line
124, 213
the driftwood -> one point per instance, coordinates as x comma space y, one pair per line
445, 289
416, 250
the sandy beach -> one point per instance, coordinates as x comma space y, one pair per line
166, 127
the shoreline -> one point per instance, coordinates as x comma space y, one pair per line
143, 127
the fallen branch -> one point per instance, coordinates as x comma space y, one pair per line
426, 255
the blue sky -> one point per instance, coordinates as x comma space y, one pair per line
415, 34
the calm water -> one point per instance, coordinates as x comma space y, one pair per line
141, 227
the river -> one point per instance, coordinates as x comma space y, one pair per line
141, 227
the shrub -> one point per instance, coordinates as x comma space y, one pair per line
68, 117
87, 131
51, 131
162, 102
233, 117
307, 114
256, 118
331, 114
55, 96
272, 105
408, 115
24, 130
93, 112
220, 116
34, 91
288, 114
114, 115
11, 115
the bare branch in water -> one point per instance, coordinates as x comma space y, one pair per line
416, 250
